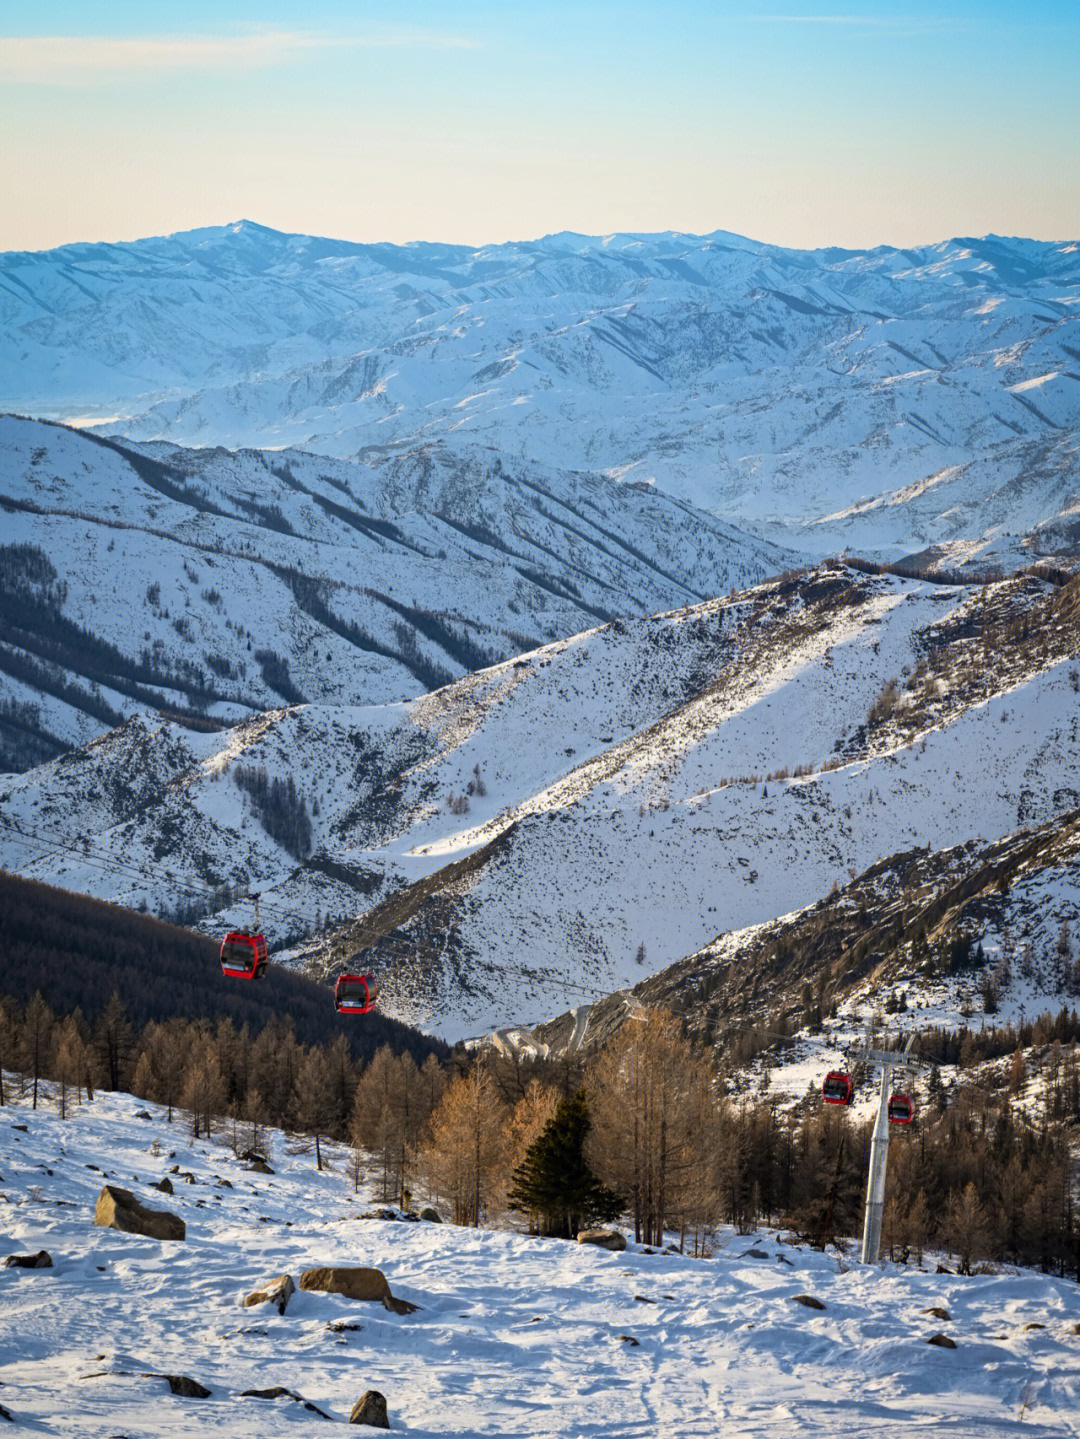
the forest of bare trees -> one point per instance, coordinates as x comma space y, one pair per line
975, 1175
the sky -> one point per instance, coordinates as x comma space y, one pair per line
847, 122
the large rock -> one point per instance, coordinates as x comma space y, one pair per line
119, 1209
277, 1291
605, 1238
355, 1283
432, 1216
187, 1387
41, 1260
370, 1409
808, 1301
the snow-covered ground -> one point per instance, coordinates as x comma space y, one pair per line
513, 1336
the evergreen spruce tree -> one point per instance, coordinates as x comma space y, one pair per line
554, 1183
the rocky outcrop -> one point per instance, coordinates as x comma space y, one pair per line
41, 1260
603, 1238
119, 1209
277, 1291
370, 1409
355, 1283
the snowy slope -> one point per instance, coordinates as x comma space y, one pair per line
515, 1336
880, 951
361, 585
504, 847
885, 399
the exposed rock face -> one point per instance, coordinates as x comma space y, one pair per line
41, 1260
277, 1291
355, 1283
119, 1209
604, 1238
370, 1409
808, 1301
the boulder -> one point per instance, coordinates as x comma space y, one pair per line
165, 1185
355, 1283
937, 1312
431, 1215
259, 1166
277, 1291
808, 1301
370, 1409
186, 1387
942, 1341
603, 1238
119, 1209
41, 1260
143, 1114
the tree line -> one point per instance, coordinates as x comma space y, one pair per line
644, 1130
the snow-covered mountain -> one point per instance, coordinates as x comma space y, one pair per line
561, 824
220, 584
886, 400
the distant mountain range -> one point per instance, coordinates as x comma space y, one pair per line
893, 401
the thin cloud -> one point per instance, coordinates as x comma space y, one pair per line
81, 59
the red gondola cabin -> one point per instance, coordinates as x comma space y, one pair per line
243, 955
901, 1109
355, 993
838, 1088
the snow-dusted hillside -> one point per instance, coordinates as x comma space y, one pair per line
228, 583
513, 1335
569, 821
976, 936
886, 399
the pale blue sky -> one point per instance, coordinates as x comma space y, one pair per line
842, 123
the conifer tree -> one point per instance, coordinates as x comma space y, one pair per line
554, 1183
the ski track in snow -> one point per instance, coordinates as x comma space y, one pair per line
514, 1335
